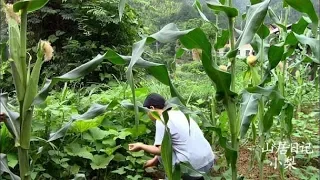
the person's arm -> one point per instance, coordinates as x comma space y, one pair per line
152, 162
2, 117
156, 150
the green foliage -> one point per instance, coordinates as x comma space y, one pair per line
79, 31
72, 139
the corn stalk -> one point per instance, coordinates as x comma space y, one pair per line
26, 78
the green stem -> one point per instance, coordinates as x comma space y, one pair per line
233, 123
23, 44
24, 164
282, 91
232, 60
261, 115
213, 121
230, 104
216, 39
262, 139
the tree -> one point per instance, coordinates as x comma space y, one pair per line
79, 30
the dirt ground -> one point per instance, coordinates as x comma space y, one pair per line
269, 172
243, 165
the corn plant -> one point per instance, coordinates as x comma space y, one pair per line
26, 77
254, 99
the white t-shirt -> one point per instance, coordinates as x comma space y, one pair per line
192, 147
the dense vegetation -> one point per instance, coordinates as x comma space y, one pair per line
255, 111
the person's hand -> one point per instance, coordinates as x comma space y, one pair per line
2, 117
135, 147
151, 162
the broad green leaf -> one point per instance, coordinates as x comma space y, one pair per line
120, 171
313, 43
288, 112
136, 177
291, 39
123, 134
110, 151
301, 25
276, 102
142, 130
263, 31
275, 55
4, 167
130, 106
222, 80
79, 177
83, 125
12, 160
100, 161
93, 111
109, 142
255, 17
248, 110
97, 133
187, 168
222, 40
306, 7
122, 5
217, 6
75, 149
137, 154
166, 153
255, 1
71, 75
119, 157
12, 121
30, 5
74, 169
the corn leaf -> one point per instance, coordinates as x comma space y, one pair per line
93, 111
313, 43
198, 7
248, 110
4, 167
263, 31
122, 5
276, 102
222, 80
288, 112
71, 75
12, 121
166, 153
255, 17
31, 5
275, 55
217, 6
306, 7
222, 40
